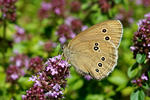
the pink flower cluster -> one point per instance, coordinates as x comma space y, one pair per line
18, 66
146, 3
104, 5
48, 84
20, 35
68, 30
141, 38
8, 9
56, 7
140, 80
36, 64
125, 17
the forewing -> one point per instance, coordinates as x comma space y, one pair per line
112, 29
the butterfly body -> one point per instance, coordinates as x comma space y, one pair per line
95, 50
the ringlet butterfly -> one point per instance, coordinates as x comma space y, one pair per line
95, 50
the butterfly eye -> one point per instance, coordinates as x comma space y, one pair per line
96, 48
100, 64
96, 70
107, 38
103, 58
104, 30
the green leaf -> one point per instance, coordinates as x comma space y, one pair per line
133, 70
24, 81
95, 97
117, 1
146, 86
118, 78
134, 95
78, 85
137, 95
149, 74
57, 50
141, 95
134, 66
140, 58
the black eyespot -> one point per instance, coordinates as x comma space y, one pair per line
96, 70
104, 30
103, 58
100, 64
96, 44
106, 38
96, 48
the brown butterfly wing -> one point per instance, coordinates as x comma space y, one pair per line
114, 31
80, 50
98, 63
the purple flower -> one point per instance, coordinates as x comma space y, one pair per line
64, 32
14, 76
68, 20
132, 48
104, 5
84, 28
44, 11
58, 7
35, 64
149, 55
34, 93
141, 38
67, 31
139, 81
53, 67
145, 3
75, 6
143, 77
49, 45
33, 78
133, 81
20, 30
46, 6
50, 81
8, 9
125, 17
16, 69
147, 15
13, 73
76, 25
88, 77
138, 2
62, 40
20, 35
20, 60
56, 87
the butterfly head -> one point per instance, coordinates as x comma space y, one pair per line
66, 52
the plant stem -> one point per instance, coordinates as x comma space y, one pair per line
4, 39
4, 30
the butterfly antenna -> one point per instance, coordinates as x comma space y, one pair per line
60, 58
65, 70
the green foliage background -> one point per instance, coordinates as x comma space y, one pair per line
117, 86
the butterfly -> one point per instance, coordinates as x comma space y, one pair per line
95, 50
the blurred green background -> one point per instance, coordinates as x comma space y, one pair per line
117, 86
